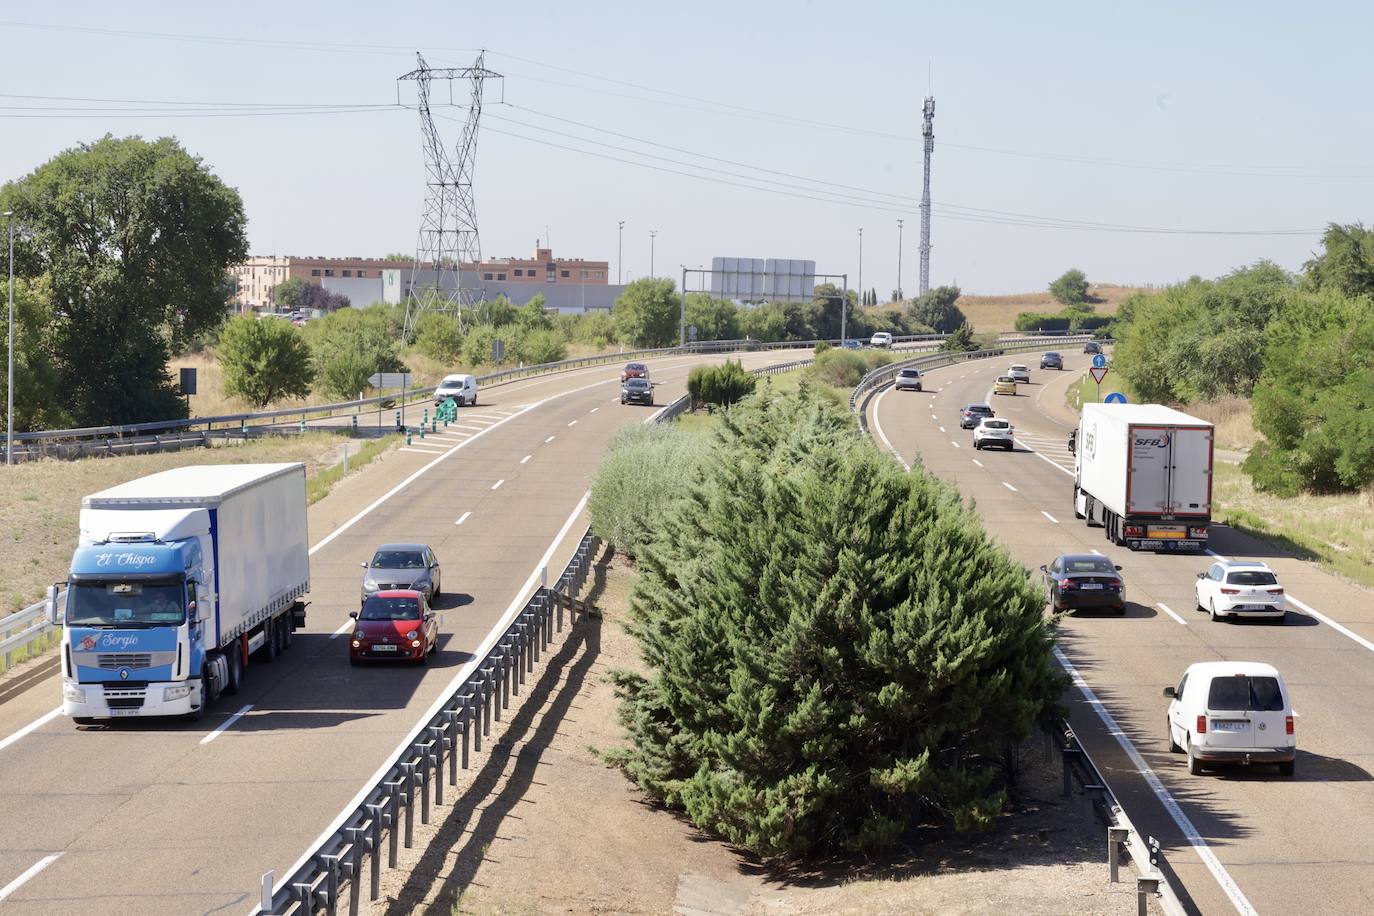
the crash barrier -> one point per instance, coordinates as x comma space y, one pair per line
20, 629
428, 761
200, 432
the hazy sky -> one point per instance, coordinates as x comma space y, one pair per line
1168, 115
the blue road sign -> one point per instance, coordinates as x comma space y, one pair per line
1099, 361
1115, 397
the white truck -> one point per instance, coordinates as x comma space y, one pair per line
1144, 472
179, 578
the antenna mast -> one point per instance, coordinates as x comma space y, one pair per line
928, 133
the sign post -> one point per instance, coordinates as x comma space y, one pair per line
1098, 373
386, 380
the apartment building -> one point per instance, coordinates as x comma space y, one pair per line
543, 267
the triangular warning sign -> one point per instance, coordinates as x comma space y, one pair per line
1098, 374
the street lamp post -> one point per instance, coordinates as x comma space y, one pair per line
620, 255
653, 234
9, 387
861, 264
899, 259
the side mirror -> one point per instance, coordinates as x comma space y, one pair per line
1202, 575
1171, 693
363, 565
203, 612
1043, 569
353, 614
1118, 569
51, 605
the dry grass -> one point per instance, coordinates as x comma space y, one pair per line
41, 500
1336, 530
1231, 416
998, 313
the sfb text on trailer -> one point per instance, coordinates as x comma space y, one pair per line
1144, 473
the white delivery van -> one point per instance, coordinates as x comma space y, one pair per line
462, 388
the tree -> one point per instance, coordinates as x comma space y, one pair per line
596, 328
135, 240
1347, 260
828, 310
836, 650
764, 322
960, 340
647, 313
297, 293
264, 361
438, 336
540, 345
719, 386
532, 316
936, 309
715, 319
1071, 288
399, 256
37, 381
350, 345
495, 312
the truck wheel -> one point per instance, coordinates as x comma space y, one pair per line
286, 631
234, 659
271, 643
1076, 513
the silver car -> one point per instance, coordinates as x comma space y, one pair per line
908, 380
402, 566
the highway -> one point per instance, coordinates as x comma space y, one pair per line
150, 817
1235, 840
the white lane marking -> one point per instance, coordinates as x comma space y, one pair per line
483, 416
1010, 487
1190, 833
977, 462
573, 423
477, 427
243, 711
343, 628
1166, 609
953, 443
942, 429
1096, 551
32, 870
615, 400
1339, 628
31, 727
498, 483
548, 440
933, 417
420, 451
594, 410
462, 674
1021, 442
878, 428
462, 518
526, 458
1050, 517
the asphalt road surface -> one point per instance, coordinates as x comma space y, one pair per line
1236, 840
150, 817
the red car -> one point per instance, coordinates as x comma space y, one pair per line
394, 625
634, 370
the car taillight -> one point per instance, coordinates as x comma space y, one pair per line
1276, 591
1066, 583
1134, 531
1115, 583
1288, 724
1230, 591
1202, 725
1197, 532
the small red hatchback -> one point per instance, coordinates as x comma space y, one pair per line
394, 625
634, 370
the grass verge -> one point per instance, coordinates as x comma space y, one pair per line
318, 485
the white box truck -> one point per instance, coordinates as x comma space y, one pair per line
179, 578
1144, 472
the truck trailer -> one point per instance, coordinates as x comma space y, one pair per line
179, 578
1144, 472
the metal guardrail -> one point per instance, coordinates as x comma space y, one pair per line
21, 628
416, 771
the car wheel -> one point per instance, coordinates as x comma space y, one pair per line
424, 657
1169, 728
1279, 620
437, 591
1194, 764
1197, 600
1212, 610
1286, 767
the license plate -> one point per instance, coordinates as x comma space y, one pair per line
1255, 607
1229, 726
118, 713
1176, 535
384, 648
1087, 585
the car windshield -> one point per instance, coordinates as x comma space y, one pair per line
1251, 577
635, 367
1245, 692
1090, 566
398, 559
1052, 356
638, 384
390, 609
142, 603
910, 373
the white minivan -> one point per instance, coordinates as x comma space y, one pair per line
1232, 712
462, 388
882, 340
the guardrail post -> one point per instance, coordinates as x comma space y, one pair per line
378, 814
331, 883
488, 694
1069, 754
408, 795
1145, 885
518, 661
464, 725
265, 897
451, 724
500, 702
558, 603
439, 736
422, 772
355, 867
355, 424
305, 895
1116, 838
393, 788
398, 421
1093, 793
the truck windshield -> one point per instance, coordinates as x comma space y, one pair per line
140, 603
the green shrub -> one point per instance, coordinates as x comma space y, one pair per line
1042, 321
264, 360
645, 470
533, 347
439, 336
841, 368
719, 386
837, 651
821, 347
477, 343
960, 340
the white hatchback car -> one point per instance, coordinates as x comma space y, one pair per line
1020, 373
1239, 588
994, 433
1232, 712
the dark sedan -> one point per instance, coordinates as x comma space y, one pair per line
1079, 581
1092, 346
1051, 360
637, 391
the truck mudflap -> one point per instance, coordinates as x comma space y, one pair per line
1190, 545
298, 615
1142, 534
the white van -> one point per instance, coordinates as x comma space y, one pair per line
882, 340
1232, 712
462, 388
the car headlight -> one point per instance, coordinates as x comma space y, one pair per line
175, 693
412, 634
357, 643
369, 584
73, 694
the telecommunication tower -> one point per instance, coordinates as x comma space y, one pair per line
448, 225
928, 133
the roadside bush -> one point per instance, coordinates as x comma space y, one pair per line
960, 340
439, 337
1042, 321
477, 344
264, 360
837, 651
538, 346
596, 329
841, 368
719, 386
821, 347
645, 470
349, 345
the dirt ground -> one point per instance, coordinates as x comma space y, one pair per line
542, 825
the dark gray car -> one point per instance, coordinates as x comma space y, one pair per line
637, 391
402, 566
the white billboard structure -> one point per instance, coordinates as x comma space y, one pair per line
759, 279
